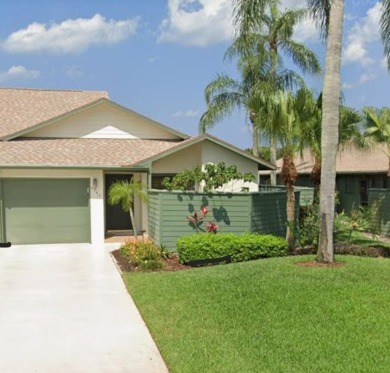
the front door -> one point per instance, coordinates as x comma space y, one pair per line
116, 218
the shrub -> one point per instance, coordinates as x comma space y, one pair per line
144, 255
241, 248
253, 246
205, 246
308, 229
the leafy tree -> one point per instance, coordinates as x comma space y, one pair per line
124, 192
213, 176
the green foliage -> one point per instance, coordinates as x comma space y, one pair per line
143, 255
308, 230
213, 176
362, 219
123, 192
247, 246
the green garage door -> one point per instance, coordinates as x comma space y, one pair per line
46, 210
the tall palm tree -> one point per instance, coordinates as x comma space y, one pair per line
377, 129
286, 130
270, 33
260, 37
124, 192
330, 14
252, 92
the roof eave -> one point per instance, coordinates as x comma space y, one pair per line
200, 138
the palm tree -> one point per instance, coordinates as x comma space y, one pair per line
377, 129
311, 117
259, 39
269, 32
330, 15
124, 192
289, 121
252, 93
286, 130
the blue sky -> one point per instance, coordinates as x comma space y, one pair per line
157, 56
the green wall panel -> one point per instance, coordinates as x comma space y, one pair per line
235, 213
46, 210
379, 201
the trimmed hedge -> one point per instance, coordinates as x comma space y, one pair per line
244, 247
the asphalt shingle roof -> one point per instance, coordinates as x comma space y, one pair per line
38, 152
22, 108
349, 160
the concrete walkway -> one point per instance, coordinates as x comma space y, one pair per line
64, 308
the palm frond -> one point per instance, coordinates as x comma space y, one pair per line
385, 29
320, 11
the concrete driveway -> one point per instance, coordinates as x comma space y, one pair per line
64, 308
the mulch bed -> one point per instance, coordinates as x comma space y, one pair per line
169, 265
321, 265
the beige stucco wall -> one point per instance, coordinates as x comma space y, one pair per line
214, 153
208, 152
104, 121
179, 161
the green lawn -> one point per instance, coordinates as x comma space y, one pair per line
270, 316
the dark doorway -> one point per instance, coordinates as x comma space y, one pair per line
116, 218
364, 192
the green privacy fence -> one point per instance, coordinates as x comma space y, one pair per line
263, 212
306, 193
379, 201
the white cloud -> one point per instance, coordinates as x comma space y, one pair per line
306, 30
197, 22
186, 113
18, 72
363, 32
69, 36
364, 78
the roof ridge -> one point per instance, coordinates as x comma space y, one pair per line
52, 90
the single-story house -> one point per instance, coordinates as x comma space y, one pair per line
357, 170
61, 150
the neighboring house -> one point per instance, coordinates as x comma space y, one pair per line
61, 150
358, 170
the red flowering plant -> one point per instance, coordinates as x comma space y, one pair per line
197, 219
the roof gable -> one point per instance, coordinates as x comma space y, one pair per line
22, 109
26, 112
103, 119
263, 165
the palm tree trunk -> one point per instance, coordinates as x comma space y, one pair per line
316, 179
330, 132
289, 175
273, 160
133, 222
255, 134
255, 139
290, 236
